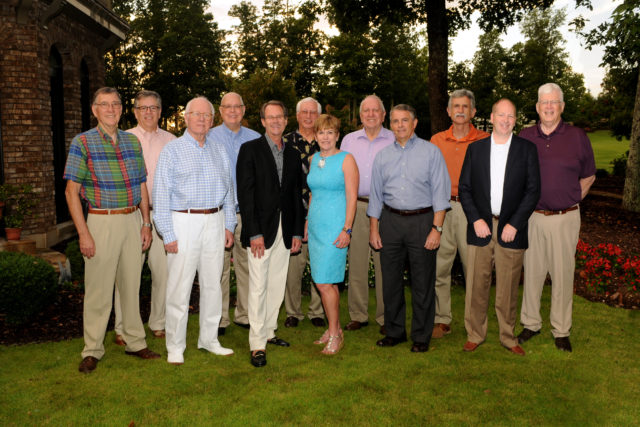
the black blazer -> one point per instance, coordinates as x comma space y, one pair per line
520, 193
263, 199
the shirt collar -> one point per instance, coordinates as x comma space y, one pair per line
410, 142
559, 129
144, 132
192, 140
272, 144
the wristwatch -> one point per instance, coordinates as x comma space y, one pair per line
438, 228
146, 224
347, 230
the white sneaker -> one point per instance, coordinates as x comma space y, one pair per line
218, 349
175, 358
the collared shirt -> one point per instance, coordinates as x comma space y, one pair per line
152, 144
454, 151
192, 177
306, 149
364, 152
278, 155
565, 158
411, 177
231, 141
498, 166
110, 172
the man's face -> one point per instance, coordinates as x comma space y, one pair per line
371, 115
107, 108
232, 110
307, 115
503, 119
460, 110
274, 121
199, 118
402, 125
148, 112
550, 108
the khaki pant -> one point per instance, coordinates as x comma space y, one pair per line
359, 254
293, 293
552, 249
454, 239
117, 261
242, 279
158, 266
508, 264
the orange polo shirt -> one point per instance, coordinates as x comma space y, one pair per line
454, 151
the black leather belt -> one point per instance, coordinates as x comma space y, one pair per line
408, 212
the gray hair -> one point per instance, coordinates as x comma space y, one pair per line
308, 99
404, 107
459, 93
377, 98
232, 93
550, 88
187, 109
105, 90
147, 94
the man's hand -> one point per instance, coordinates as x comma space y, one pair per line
146, 237
433, 240
508, 233
296, 244
481, 228
374, 239
228, 238
257, 247
171, 248
87, 245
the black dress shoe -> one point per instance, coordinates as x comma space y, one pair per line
526, 335
563, 344
291, 322
318, 322
242, 325
390, 341
278, 341
259, 358
383, 330
419, 347
221, 331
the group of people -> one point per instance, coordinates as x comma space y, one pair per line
275, 202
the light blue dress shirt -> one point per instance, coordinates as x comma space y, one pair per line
192, 177
231, 141
411, 177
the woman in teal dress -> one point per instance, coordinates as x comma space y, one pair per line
333, 181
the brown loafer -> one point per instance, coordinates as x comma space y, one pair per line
119, 340
159, 333
470, 346
88, 365
145, 353
517, 350
440, 330
354, 325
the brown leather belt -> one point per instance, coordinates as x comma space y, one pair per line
201, 211
363, 199
408, 213
496, 217
560, 212
455, 198
119, 211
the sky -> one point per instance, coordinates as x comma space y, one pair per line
465, 44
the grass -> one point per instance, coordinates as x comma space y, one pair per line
606, 148
597, 384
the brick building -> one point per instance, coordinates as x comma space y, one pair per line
51, 61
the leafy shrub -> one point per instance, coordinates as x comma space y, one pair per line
77, 262
27, 285
620, 164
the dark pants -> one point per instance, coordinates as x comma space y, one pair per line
402, 236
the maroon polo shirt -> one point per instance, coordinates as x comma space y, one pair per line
565, 157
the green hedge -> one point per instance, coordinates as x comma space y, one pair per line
27, 285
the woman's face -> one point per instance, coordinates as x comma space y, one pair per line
327, 138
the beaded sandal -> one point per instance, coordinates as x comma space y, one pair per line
334, 345
325, 337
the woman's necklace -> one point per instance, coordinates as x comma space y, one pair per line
323, 161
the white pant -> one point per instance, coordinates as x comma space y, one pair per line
267, 282
200, 247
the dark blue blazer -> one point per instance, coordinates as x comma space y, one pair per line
520, 193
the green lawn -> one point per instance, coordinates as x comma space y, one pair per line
597, 384
606, 148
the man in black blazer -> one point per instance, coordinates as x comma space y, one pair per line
499, 188
269, 177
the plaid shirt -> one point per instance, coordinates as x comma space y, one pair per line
110, 173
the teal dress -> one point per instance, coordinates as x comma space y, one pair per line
326, 218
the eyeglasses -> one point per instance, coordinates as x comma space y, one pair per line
309, 112
232, 107
205, 116
145, 108
552, 103
105, 105
274, 118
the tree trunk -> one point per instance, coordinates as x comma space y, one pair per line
631, 195
437, 33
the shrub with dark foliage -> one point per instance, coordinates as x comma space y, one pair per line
27, 285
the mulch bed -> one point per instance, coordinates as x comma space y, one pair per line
603, 221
